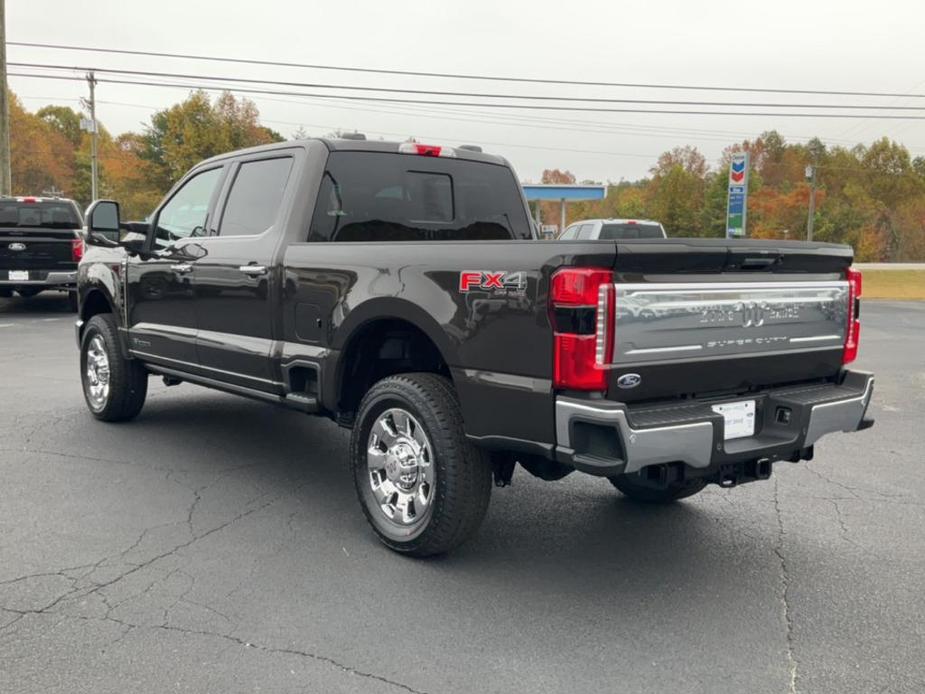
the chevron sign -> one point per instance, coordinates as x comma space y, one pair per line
737, 172
737, 204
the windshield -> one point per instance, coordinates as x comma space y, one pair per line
631, 231
39, 215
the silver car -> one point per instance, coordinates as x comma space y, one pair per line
594, 229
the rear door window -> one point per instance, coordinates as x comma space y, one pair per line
379, 196
569, 233
256, 193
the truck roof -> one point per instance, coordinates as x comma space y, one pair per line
356, 145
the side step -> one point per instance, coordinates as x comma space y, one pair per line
302, 402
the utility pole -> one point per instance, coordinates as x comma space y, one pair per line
91, 80
6, 181
811, 175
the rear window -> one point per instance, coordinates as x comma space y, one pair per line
39, 215
631, 231
375, 196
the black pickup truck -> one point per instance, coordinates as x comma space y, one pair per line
40, 246
400, 290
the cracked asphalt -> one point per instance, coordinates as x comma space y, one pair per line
215, 545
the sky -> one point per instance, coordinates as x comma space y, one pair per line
811, 44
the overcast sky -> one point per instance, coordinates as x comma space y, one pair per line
810, 44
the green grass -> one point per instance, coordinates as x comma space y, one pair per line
894, 284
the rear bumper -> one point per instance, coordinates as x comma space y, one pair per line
41, 278
608, 438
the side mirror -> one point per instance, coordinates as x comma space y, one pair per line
103, 221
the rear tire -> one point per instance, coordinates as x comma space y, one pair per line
114, 387
28, 292
630, 487
6, 293
423, 486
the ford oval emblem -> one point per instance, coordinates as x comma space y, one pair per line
17, 246
629, 380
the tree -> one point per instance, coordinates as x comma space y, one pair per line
63, 119
183, 135
688, 158
41, 157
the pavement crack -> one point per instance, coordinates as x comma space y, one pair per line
841, 522
177, 548
792, 662
292, 651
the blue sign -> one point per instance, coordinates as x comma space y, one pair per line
737, 206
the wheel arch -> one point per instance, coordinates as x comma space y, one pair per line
386, 337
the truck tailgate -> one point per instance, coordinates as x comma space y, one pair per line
696, 317
39, 249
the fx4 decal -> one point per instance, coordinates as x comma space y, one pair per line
490, 281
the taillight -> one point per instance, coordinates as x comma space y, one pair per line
853, 333
582, 306
77, 250
426, 150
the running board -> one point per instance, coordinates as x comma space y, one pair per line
302, 402
296, 401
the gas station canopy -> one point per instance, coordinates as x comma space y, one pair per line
563, 192
556, 191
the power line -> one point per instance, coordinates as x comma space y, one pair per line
475, 95
581, 109
445, 75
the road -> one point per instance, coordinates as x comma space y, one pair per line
215, 545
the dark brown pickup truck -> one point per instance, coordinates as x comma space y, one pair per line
400, 290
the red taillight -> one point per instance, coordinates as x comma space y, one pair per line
580, 360
77, 250
31, 201
853, 332
578, 286
426, 150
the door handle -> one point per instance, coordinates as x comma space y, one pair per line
253, 270
182, 268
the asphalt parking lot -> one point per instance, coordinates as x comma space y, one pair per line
215, 545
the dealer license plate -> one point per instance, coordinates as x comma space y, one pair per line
19, 275
739, 418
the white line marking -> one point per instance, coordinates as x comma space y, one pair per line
6, 325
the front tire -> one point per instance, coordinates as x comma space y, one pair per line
423, 486
114, 387
630, 487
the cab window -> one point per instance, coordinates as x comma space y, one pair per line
184, 215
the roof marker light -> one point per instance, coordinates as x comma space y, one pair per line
426, 150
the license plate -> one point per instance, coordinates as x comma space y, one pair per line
19, 275
739, 418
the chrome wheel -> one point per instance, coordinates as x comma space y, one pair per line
400, 462
97, 372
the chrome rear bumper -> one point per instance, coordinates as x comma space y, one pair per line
608, 438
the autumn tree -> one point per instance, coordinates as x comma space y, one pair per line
196, 129
41, 157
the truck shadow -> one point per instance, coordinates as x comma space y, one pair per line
46, 303
578, 534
